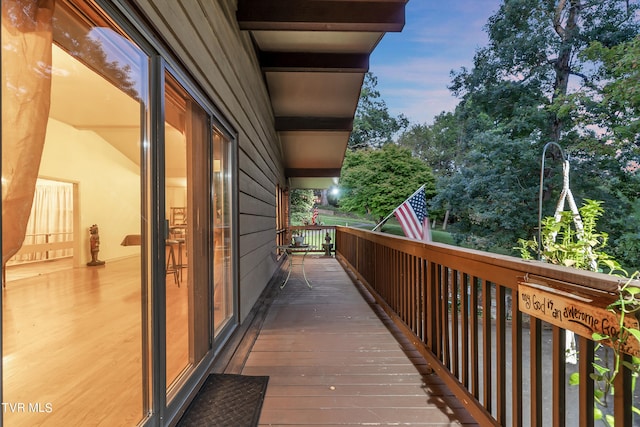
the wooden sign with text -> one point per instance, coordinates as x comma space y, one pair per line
574, 313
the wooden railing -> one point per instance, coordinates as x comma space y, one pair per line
44, 246
314, 235
463, 310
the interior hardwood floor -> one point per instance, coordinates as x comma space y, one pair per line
72, 343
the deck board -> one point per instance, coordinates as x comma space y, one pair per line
332, 360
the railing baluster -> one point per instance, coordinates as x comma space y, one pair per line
535, 355
559, 375
516, 361
412, 294
429, 305
587, 354
424, 311
487, 349
465, 329
455, 333
475, 353
438, 309
501, 356
404, 298
623, 398
444, 319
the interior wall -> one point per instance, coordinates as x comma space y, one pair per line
108, 188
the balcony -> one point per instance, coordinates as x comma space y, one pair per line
396, 331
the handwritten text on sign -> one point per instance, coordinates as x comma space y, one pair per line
574, 313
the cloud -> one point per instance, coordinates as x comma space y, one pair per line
413, 67
417, 89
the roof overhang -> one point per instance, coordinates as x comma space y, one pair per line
314, 55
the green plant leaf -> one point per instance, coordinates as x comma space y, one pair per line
601, 369
597, 414
599, 337
610, 419
574, 379
635, 333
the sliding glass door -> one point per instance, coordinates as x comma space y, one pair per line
187, 133
75, 324
113, 323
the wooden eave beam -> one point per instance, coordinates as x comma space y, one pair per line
319, 62
321, 15
334, 124
312, 173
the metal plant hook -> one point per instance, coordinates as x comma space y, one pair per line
564, 159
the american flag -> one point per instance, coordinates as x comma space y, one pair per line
413, 217
315, 216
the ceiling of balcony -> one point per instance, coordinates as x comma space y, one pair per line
314, 55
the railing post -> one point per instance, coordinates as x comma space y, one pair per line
623, 397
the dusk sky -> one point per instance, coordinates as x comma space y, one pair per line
413, 66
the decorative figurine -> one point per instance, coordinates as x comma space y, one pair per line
328, 245
94, 241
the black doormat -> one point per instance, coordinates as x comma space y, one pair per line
227, 400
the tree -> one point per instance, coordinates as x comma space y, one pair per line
373, 126
534, 54
443, 144
612, 102
376, 181
493, 198
523, 92
301, 202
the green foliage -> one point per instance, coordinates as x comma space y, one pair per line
301, 202
373, 126
563, 244
627, 304
613, 100
376, 181
516, 98
494, 194
534, 49
440, 145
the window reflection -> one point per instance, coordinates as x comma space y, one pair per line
223, 291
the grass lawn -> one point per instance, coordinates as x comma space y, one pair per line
392, 226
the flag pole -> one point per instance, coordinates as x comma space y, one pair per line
384, 220
394, 211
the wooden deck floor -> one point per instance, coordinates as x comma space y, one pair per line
333, 360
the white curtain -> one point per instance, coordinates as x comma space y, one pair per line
51, 220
